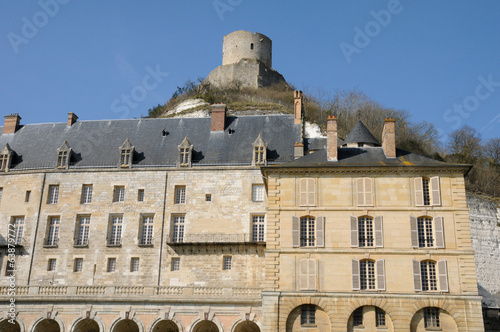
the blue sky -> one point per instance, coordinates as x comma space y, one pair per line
440, 61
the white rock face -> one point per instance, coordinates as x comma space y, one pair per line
485, 234
187, 105
312, 130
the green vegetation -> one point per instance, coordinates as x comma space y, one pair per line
464, 145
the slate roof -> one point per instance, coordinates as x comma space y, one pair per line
368, 157
96, 143
360, 134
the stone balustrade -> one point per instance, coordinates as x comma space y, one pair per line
211, 238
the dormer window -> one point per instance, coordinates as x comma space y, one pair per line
5, 158
259, 152
185, 152
63, 156
126, 154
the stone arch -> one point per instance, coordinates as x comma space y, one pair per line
353, 304
369, 319
243, 325
82, 324
166, 325
290, 304
48, 325
447, 322
6, 326
121, 324
199, 323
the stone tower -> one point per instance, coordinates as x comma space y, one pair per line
246, 62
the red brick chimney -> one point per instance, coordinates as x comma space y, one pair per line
389, 138
71, 118
218, 117
11, 124
298, 106
331, 139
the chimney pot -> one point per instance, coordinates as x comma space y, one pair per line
72, 117
11, 123
331, 139
218, 115
389, 138
298, 106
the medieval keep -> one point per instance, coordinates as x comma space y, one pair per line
231, 224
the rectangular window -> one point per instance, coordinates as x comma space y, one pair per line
308, 315
18, 223
134, 264
78, 267
53, 194
4, 160
119, 194
357, 317
379, 317
51, 265
226, 265
176, 264
27, 196
111, 265
367, 274
258, 228
208, 197
62, 159
307, 232
431, 318
125, 157
426, 191
147, 230
53, 231
364, 191
87, 194
307, 192
178, 229
180, 194
1, 192
258, 193
425, 234
83, 228
365, 231
115, 230
428, 273
140, 195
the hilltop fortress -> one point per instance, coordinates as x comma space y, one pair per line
246, 62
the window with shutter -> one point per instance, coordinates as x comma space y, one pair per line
364, 188
417, 282
439, 232
307, 192
320, 232
435, 191
295, 232
380, 274
443, 276
379, 232
414, 232
419, 192
354, 231
308, 274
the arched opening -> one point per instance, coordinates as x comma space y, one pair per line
5, 326
86, 325
310, 317
370, 319
429, 318
165, 326
247, 326
126, 325
47, 325
206, 326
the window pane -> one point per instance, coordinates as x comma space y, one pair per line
307, 232
18, 229
258, 228
134, 264
78, 265
425, 186
258, 193
367, 274
358, 317
119, 195
53, 232
227, 262
365, 231
111, 264
428, 271
53, 194
116, 230
147, 230
176, 262
180, 195
87, 194
51, 265
83, 231
178, 230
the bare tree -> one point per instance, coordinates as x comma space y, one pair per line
464, 145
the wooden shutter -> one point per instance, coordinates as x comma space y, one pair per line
356, 283
320, 232
360, 191
380, 275
295, 232
303, 192
311, 264
417, 280
311, 192
354, 232
368, 191
419, 192
439, 232
304, 278
414, 232
443, 276
379, 233
435, 191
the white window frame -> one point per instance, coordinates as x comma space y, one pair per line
115, 230
135, 264
111, 265
147, 234
53, 225
258, 228
119, 194
178, 223
175, 264
78, 265
53, 195
227, 263
87, 190
180, 195
258, 192
51, 264
83, 230
18, 223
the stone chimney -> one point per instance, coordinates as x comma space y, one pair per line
11, 124
71, 118
218, 117
331, 139
298, 106
298, 150
389, 138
